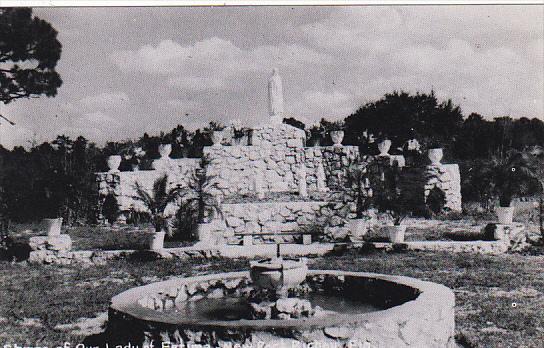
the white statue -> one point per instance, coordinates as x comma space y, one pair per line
321, 180
275, 97
302, 186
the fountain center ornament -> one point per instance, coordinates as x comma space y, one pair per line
272, 279
275, 98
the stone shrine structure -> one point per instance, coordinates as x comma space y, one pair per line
274, 164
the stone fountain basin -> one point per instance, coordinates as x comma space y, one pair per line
281, 273
415, 313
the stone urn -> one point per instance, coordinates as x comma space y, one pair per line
358, 228
113, 163
396, 233
435, 156
52, 226
384, 147
165, 150
505, 215
206, 233
217, 137
278, 274
337, 137
156, 240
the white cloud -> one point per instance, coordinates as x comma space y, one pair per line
214, 63
197, 83
11, 136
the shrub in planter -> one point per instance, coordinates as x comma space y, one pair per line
156, 203
200, 201
110, 209
392, 198
359, 189
510, 176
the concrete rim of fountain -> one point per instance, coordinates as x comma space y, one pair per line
431, 296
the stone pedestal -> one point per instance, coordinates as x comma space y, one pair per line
58, 243
514, 235
447, 178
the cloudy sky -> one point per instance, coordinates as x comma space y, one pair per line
127, 71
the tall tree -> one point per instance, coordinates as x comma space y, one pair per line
400, 116
29, 52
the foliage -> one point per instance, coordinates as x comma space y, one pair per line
27, 40
509, 176
401, 116
294, 122
436, 201
199, 196
390, 196
157, 201
358, 183
51, 179
110, 209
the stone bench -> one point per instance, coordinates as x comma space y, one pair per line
247, 239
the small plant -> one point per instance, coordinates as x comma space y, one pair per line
110, 209
390, 196
509, 176
158, 200
436, 201
358, 183
198, 196
336, 126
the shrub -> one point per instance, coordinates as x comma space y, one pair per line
110, 209
436, 201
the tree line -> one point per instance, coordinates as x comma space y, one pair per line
57, 177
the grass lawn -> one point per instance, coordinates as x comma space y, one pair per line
35, 299
99, 237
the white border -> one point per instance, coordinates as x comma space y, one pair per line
218, 3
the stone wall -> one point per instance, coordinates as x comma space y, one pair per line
447, 178
275, 159
281, 218
122, 184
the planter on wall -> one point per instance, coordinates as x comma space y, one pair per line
156, 241
205, 233
435, 156
337, 137
358, 228
217, 137
52, 226
165, 150
384, 147
505, 215
113, 163
396, 233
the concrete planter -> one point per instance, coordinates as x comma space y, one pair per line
165, 150
156, 241
358, 228
217, 137
435, 156
384, 147
505, 215
113, 163
337, 137
52, 226
396, 233
205, 233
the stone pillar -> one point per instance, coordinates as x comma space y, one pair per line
447, 178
